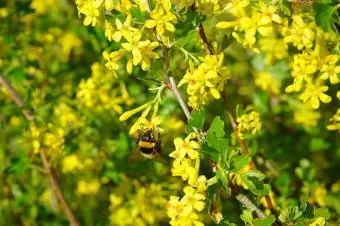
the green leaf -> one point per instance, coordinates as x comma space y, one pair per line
217, 128
187, 39
197, 119
322, 212
247, 216
211, 152
269, 220
318, 144
323, 15
239, 162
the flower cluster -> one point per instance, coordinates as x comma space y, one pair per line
249, 123
185, 211
49, 138
144, 207
305, 115
314, 64
206, 81
334, 121
267, 82
246, 26
137, 47
97, 91
88, 187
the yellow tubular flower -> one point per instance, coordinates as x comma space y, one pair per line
112, 60
91, 13
246, 26
330, 69
162, 19
313, 93
206, 82
300, 34
142, 52
125, 30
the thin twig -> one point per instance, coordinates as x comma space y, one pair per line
204, 38
16, 98
179, 97
48, 168
245, 201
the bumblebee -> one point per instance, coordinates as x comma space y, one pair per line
149, 143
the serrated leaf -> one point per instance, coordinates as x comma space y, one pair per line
322, 212
217, 127
197, 120
187, 39
239, 162
323, 15
269, 220
211, 152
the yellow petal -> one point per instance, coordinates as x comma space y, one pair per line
325, 98
226, 24
137, 56
150, 23
215, 93
129, 66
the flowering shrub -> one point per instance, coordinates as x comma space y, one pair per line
167, 112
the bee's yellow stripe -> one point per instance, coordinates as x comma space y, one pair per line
145, 144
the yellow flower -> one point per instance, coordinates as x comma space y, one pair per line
88, 188
249, 123
71, 163
125, 30
305, 115
112, 60
267, 82
313, 93
245, 26
320, 221
300, 33
334, 121
91, 13
109, 4
304, 66
186, 147
162, 19
184, 168
174, 207
330, 69
206, 82
192, 200
142, 52
68, 42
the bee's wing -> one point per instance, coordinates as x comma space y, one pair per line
160, 159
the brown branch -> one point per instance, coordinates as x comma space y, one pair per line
48, 168
16, 98
204, 38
